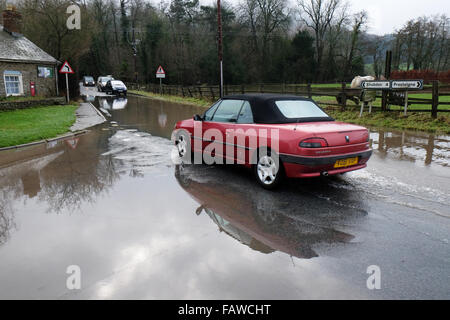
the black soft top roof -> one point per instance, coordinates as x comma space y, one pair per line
265, 110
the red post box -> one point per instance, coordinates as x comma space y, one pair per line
32, 89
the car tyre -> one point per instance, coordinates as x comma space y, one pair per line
268, 169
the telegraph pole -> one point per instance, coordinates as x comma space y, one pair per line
220, 47
135, 58
134, 43
387, 75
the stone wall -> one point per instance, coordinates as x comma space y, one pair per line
45, 87
14, 105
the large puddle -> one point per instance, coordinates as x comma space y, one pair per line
140, 226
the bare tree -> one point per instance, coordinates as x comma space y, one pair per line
273, 15
263, 19
318, 15
374, 48
421, 43
359, 21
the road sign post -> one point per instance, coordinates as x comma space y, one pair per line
66, 69
161, 74
67, 88
406, 102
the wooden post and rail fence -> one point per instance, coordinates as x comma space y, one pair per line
343, 97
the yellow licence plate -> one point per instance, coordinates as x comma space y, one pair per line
346, 162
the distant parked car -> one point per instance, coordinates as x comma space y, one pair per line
102, 81
115, 87
88, 81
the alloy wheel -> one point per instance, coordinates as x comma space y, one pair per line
267, 170
182, 145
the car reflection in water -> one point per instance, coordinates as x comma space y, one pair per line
89, 98
111, 103
292, 223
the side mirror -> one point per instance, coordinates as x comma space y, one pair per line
198, 118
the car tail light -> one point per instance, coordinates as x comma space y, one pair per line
314, 143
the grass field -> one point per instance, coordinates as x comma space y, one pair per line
28, 125
396, 120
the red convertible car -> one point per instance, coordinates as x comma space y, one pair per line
275, 135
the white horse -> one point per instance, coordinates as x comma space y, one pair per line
366, 97
356, 82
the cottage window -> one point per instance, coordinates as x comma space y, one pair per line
13, 83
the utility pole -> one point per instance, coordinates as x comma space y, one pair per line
134, 43
220, 47
387, 75
135, 57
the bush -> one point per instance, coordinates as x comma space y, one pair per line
426, 75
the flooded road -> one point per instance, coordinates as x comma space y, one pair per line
138, 226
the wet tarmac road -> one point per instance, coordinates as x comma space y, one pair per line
139, 226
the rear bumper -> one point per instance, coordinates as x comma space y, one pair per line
304, 167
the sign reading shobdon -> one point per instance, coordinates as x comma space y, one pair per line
379, 85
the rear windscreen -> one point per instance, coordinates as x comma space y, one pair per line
298, 109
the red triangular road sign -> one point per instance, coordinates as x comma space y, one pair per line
72, 143
160, 70
66, 68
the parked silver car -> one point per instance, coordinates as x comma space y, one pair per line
102, 81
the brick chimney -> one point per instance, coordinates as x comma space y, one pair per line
12, 21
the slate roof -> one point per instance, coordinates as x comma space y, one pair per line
20, 49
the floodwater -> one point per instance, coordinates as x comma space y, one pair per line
113, 203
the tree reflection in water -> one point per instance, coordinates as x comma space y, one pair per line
64, 175
77, 183
6, 212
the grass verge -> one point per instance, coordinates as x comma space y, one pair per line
28, 125
396, 120
176, 99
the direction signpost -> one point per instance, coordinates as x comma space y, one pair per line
394, 85
66, 69
161, 74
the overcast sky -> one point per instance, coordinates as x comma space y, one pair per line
387, 15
